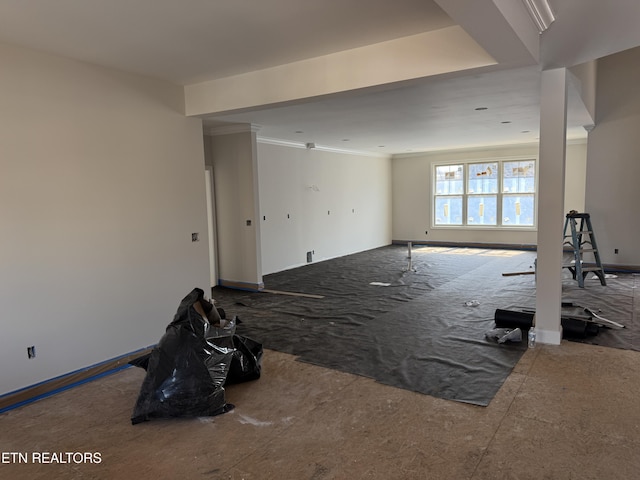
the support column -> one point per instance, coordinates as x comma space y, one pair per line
551, 173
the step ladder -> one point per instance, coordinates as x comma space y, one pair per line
577, 236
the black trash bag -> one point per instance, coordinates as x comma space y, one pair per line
246, 363
142, 361
188, 368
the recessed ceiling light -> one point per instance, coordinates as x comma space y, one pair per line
506, 121
482, 108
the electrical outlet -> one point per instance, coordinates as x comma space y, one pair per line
31, 351
195, 237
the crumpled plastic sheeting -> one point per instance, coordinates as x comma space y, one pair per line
504, 335
187, 370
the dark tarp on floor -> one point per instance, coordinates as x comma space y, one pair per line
416, 333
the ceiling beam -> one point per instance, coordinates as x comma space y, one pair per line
418, 56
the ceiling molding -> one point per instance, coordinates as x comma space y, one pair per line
232, 129
541, 13
304, 146
281, 143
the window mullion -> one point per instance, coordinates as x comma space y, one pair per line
483, 193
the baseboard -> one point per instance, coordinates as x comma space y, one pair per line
254, 287
613, 268
549, 337
608, 267
32, 393
503, 246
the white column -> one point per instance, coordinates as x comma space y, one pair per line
551, 215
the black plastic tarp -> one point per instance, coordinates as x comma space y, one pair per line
423, 330
187, 370
414, 333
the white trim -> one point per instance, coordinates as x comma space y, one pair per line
494, 158
549, 337
233, 128
499, 195
211, 226
303, 145
281, 143
351, 152
541, 13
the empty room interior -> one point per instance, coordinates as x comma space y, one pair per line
394, 206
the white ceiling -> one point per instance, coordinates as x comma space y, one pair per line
435, 114
189, 41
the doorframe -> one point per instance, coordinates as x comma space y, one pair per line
211, 226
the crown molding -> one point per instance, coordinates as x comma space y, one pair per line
304, 145
541, 13
233, 128
281, 143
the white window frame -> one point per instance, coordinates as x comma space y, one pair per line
499, 195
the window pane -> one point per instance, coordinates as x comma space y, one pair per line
483, 178
449, 180
519, 177
482, 209
518, 210
448, 210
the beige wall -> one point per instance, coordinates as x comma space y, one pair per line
575, 177
412, 205
613, 163
233, 158
324, 202
298, 201
101, 186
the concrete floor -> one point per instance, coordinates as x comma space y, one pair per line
567, 412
